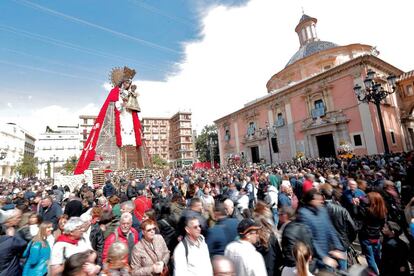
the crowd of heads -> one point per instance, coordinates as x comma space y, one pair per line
189, 203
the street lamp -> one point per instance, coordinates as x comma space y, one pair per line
53, 160
270, 130
3, 155
211, 144
375, 93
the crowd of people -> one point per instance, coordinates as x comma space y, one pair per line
303, 217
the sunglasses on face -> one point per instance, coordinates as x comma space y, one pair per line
150, 229
196, 226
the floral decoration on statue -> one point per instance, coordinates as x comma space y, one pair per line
345, 150
300, 155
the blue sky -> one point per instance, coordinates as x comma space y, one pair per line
207, 56
63, 47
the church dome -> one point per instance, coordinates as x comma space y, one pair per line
311, 48
309, 41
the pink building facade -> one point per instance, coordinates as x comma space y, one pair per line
311, 107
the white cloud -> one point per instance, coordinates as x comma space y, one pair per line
9, 105
242, 47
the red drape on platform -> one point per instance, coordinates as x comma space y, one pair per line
89, 150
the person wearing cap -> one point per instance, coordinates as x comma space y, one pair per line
243, 253
395, 252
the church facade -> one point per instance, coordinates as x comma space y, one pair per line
311, 108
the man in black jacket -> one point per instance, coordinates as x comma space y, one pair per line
50, 211
294, 231
340, 217
132, 190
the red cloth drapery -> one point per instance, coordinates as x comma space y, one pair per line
89, 150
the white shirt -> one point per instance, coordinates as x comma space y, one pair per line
57, 258
243, 202
198, 259
246, 259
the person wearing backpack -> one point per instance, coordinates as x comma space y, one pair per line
191, 256
38, 251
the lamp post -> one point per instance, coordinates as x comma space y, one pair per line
3, 155
211, 144
270, 130
375, 93
53, 160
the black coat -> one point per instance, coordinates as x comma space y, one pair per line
371, 224
394, 256
272, 256
343, 223
97, 241
11, 249
131, 192
293, 232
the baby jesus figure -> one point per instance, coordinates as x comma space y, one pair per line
132, 103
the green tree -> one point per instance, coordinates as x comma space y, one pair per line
158, 161
209, 133
27, 167
70, 164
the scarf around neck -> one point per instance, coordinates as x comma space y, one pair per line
67, 238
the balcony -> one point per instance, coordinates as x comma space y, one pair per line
331, 117
258, 135
318, 112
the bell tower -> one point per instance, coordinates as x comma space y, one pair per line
306, 30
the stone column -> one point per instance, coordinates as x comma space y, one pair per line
291, 129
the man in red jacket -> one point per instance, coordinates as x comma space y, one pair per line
308, 183
142, 202
123, 233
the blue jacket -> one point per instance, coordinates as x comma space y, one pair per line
284, 200
51, 214
10, 250
221, 234
324, 236
109, 190
36, 263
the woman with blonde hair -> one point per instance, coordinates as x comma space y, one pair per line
38, 252
267, 244
116, 262
303, 256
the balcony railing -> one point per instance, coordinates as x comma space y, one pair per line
318, 112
